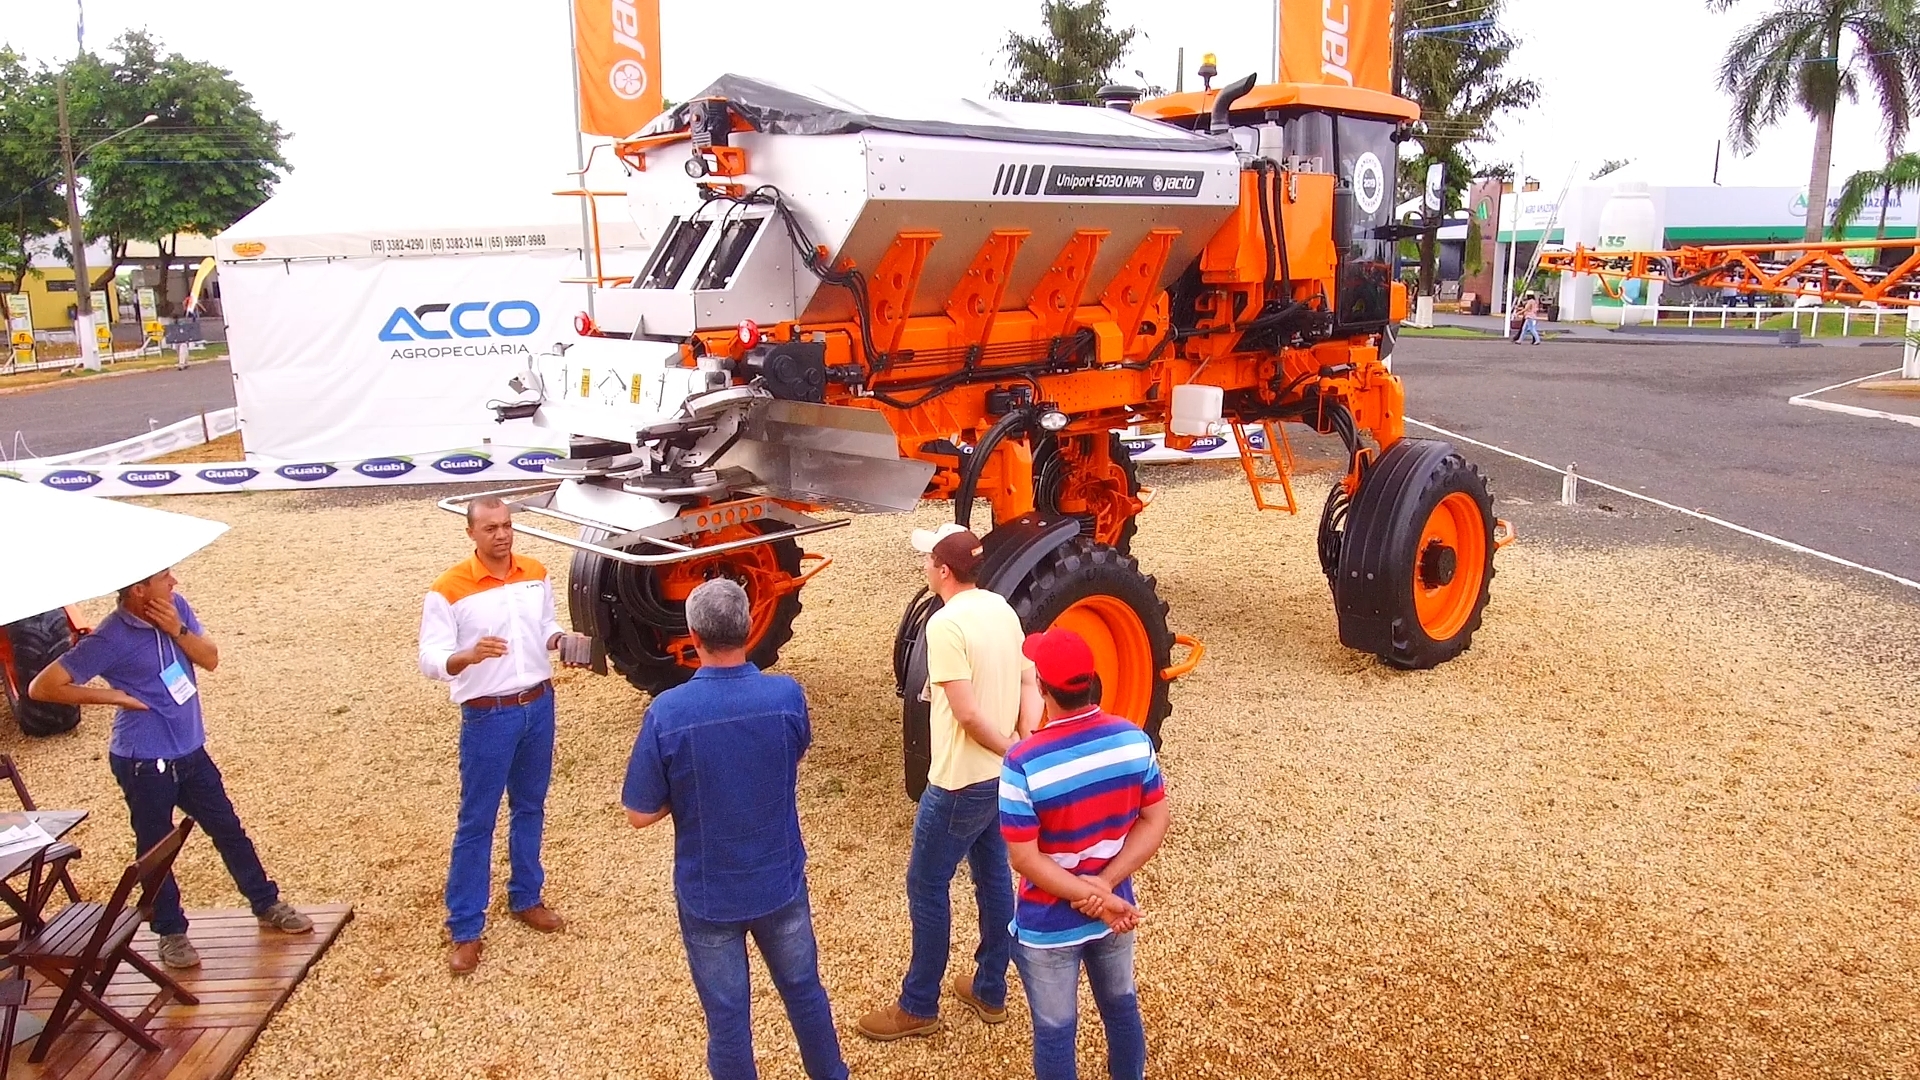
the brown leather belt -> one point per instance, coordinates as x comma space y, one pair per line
531, 694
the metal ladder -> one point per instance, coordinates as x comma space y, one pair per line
1278, 453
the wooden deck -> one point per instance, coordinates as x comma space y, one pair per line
245, 974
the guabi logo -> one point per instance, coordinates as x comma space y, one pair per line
384, 468
1136, 447
71, 479
1203, 445
534, 460
463, 464
149, 478
229, 475
471, 319
307, 473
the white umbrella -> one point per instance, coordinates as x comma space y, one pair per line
70, 547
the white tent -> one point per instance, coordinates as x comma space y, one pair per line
103, 545
381, 319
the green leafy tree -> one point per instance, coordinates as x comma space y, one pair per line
1901, 173
1453, 66
1815, 54
1076, 56
32, 204
208, 160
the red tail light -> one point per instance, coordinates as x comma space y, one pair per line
749, 333
583, 325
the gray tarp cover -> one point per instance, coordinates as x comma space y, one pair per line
807, 110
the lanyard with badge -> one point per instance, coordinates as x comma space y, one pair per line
174, 675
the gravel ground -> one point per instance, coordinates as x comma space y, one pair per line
1660, 820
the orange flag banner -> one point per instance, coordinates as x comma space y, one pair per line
1340, 42
617, 43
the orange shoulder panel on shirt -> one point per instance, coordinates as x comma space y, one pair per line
467, 577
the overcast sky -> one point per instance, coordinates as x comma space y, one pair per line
367, 86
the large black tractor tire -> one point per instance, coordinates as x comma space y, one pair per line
1416, 556
1100, 592
1104, 591
1050, 474
36, 642
618, 603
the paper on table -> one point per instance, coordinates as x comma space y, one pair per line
26, 837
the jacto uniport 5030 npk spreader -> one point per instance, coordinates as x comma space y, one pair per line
850, 309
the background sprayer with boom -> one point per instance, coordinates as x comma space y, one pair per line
857, 309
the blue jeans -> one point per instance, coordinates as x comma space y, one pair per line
193, 784
1052, 979
1529, 327
505, 750
717, 955
955, 825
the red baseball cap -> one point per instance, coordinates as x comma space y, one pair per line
1061, 658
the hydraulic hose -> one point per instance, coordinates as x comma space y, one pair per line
970, 471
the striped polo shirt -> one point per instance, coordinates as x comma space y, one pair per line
1076, 787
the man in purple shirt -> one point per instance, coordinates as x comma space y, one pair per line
148, 651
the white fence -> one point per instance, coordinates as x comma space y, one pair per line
1812, 321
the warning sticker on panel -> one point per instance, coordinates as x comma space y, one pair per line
1084, 180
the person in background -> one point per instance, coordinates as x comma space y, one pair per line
485, 630
720, 754
1082, 806
149, 651
983, 698
1529, 320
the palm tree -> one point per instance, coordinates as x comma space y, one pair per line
1454, 59
1901, 173
1797, 54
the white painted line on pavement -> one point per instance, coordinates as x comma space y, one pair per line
1664, 505
1853, 410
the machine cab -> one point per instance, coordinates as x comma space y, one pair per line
1305, 129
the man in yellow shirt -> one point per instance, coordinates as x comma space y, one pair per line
985, 698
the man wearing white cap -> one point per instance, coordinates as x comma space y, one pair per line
984, 698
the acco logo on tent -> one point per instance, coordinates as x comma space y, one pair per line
475, 319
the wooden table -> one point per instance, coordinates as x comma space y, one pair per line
57, 823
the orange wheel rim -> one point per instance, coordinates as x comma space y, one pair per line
1122, 653
758, 571
1450, 565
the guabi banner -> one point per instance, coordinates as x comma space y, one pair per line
1338, 42
617, 43
501, 466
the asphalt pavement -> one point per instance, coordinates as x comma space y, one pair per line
1706, 427
70, 416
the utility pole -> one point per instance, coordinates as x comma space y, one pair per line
1513, 232
76, 237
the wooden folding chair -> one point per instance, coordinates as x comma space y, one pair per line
59, 855
85, 944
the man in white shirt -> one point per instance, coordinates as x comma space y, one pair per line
486, 630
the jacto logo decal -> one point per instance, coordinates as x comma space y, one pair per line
149, 478
534, 460
228, 476
307, 473
384, 468
248, 249
471, 319
1081, 181
463, 464
71, 479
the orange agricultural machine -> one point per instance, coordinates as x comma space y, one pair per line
858, 309
1825, 271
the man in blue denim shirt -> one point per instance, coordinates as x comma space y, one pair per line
721, 756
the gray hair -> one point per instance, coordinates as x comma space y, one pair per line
718, 613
